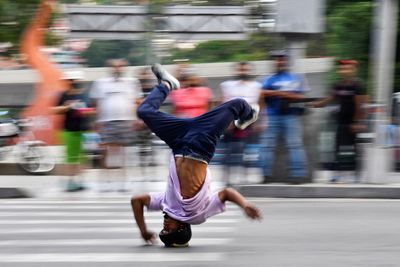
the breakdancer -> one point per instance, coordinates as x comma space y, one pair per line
188, 199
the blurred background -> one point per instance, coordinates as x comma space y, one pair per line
322, 162
200, 42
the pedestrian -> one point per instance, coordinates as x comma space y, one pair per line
115, 99
187, 199
350, 95
280, 91
72, 104
144, 135
192, 100
236, 139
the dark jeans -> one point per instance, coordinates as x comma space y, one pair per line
346, 149
192, 137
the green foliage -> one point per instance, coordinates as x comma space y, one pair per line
100, 51
348, 33
255, 48
397, 76
397, 67
15, 15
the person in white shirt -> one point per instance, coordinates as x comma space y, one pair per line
242, 86
236, 139
116, 99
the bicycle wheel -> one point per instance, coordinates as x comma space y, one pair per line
35, 160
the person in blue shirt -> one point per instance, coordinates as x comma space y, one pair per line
281, 92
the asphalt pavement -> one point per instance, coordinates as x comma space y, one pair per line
100, 232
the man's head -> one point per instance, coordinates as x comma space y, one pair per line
281, 60
74, 79
243, 70
347, 68
117, 67
175, 233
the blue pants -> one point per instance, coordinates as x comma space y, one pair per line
289, 127
191, 137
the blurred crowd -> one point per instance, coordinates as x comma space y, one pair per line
101, 120
9, 63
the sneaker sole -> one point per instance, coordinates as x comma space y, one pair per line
243, 126
163, 75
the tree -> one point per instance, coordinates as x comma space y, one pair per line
15, 15
349, 31
397, 67
256, 47
100, 51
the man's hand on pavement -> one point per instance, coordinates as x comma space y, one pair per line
149, 237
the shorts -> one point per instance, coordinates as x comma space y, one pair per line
73, 147
117, 132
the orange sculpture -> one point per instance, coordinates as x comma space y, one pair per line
44, 124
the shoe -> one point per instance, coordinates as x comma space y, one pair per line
297, 180
266, 179
334, 179
74, 187
163, 75
244, 124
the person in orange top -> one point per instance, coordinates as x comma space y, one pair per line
193, 100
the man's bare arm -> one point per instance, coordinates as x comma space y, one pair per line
230, 194
360, 113
282, 94
360, 100
138, 204
323, 102
60, 109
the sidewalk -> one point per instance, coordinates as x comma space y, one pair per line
51, 186
15, 183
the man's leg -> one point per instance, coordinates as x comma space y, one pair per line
294, 142
269, 139
206, 129
168, 128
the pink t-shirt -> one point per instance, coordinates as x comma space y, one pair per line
191, 102
193, 210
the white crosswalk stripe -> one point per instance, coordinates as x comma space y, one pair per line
107, 221
103, 231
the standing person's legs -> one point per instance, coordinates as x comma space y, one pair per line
345, 151
115, 135
294, 142
269, 139
74, 159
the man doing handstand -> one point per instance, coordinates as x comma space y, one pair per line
187, 199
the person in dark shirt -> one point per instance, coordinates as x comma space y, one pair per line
350, 95
73, 104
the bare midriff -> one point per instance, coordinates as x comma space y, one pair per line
191, 174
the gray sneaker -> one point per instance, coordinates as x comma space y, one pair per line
163, 75
244, 124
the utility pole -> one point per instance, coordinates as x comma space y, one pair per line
384, 32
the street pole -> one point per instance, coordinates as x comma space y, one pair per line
384, 32
384, 54
297, 46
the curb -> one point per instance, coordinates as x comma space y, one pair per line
15, 169
321, 191
12, 193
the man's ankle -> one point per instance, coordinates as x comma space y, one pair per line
167, 84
